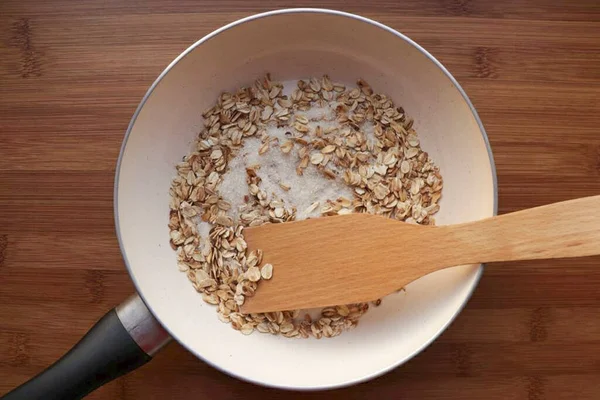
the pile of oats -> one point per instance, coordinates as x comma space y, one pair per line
262, 157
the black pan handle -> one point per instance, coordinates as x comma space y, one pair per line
124, 339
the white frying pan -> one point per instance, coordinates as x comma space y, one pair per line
290, 44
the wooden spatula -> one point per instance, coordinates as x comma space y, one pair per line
360, 257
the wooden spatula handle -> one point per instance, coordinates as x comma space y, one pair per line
566, 229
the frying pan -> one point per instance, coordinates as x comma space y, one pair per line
290, 44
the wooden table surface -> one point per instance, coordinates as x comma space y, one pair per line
72, 73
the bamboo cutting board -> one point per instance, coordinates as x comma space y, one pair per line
72, 74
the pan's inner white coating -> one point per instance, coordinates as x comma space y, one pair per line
276, 152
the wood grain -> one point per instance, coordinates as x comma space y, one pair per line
72, 74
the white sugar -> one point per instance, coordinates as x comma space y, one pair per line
203, 228
369, 131
326, 112
288, 87
234, 188
278, 168
311, 187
